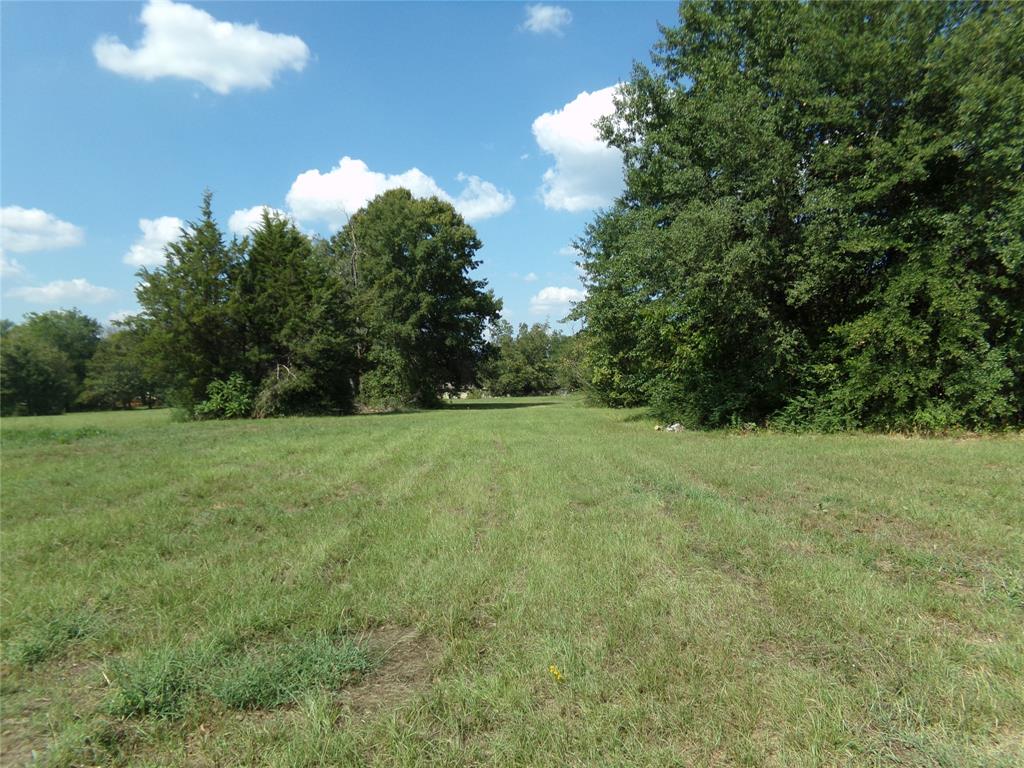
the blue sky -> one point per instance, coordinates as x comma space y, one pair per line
115, 116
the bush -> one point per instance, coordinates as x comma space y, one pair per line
388, 385
286, 391
231, 399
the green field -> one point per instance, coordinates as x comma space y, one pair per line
511, 583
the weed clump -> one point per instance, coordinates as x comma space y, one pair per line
160, 683
167, 683
49, 638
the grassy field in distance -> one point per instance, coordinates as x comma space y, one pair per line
513, 582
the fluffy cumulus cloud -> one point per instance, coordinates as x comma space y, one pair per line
587, 172
148, 250
31, 229
182, 41
480, 199
79, 291
243, 221
546, 19
554, 300
333, 196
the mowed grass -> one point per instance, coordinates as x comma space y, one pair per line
394, 590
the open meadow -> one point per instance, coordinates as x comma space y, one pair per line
513, 582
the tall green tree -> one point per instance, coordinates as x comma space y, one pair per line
293, 309
193, 328
823, 218
420, 316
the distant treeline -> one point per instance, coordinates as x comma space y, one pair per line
383, 313
823, 221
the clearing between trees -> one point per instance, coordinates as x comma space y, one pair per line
514, 582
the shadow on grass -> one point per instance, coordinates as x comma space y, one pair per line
458, 405
478, 406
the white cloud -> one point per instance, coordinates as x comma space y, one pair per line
243, 221
555, 300
32, 229
148, 250
62, 291
10, 267
480, 199
183, 41
530, 278
333, 196
546, 19
587, 173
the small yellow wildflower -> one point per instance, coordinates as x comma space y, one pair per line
555, 672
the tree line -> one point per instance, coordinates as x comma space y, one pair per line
822, 227
823, 219
384, 314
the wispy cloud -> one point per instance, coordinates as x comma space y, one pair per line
547, 19
77, 290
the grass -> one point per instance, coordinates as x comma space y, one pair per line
397, 590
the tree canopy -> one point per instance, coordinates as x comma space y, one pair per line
419, 315
278, 323
823, 221
43, 360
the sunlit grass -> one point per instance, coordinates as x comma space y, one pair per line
581, 590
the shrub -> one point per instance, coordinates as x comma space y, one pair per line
231, 399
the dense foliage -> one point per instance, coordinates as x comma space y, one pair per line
276, 323
531, 361
43, 361
120, 373
823, 221
419, 317
194, 330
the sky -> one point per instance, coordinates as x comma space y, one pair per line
114, 117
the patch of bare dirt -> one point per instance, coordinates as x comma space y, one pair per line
408, 660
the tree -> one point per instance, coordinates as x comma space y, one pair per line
419, 316
526, 363
75, 334
823, 220
292, 306
188, 305
64, 339
37, 377
120, 373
